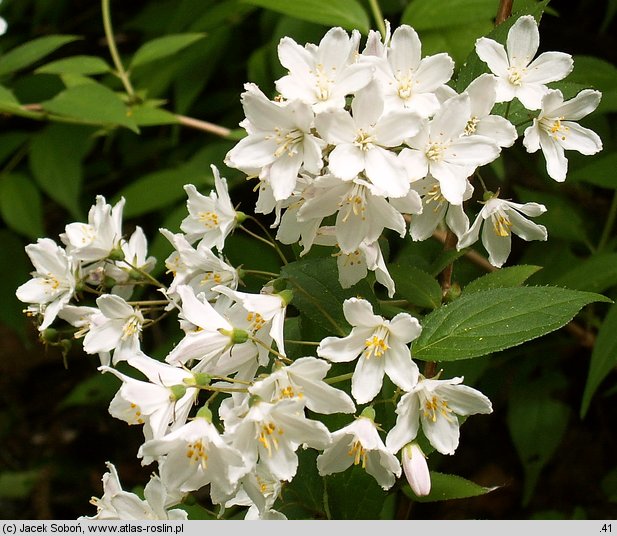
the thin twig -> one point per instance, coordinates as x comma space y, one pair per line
503, 11
113, 51
205, 126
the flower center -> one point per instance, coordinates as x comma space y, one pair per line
471, 126
405, 85
267, 436
214, 277
434, 195
377, 345
501, 224
358, 452
287, 141
554, 128
515, 75
323, 82
354, 203
131, 326
209, 219
197, 453
436, 406
435, 150
364, 140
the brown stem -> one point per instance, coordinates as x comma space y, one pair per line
503, 11
198, 124
470, 254
446, 274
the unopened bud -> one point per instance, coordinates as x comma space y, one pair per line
254, 399
49, 335
202, 379
452, 293
416, 469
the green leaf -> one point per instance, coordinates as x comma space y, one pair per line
537, 424
492, 320
603, 358
445, 487
599, 171
14, 271
162, 47
55, 161
8, 102
512, 276
416, 286
28, 53
354, 494
595, 274
96, 390
431, 15
348, 14
20, 205
17, 484
76, 65
147, 116
318, 294
303, 497
91, 103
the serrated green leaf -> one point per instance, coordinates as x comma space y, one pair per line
603, 358
512, 276
348, 14
416, 286
55, 161
28, 53
162, 47
445, 487
492, 320
537, 424
20, 205
76, 65
92, 103
318, 294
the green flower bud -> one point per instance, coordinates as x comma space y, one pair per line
368, 413
202, 379
49, 335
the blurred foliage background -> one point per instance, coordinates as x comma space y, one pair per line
66, 136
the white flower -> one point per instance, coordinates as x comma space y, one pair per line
102, 234
303, 379
323, 75
380, 346
435, 404
482, 96
361, 215
195, 456
359, 443
362, 141
435, 208
53, 282
416, 469
118, 329
407, 80
119, 504
505, 218
271, 433
157, 403
554, 130
442, 149
198, 268
210, 218
278, 137
517, 75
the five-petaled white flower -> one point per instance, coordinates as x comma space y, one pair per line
359, 443
517, 75
211, 218
505, 218
279, 142
435, 404
380, 346
53, 282
323, 75
554, 130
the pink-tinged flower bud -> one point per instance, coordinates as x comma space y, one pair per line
416, 469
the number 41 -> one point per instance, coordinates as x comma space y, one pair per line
606, 527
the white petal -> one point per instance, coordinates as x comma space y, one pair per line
341, 350
359, 312
494, 55
498, 247
399, 366
549, 67
578, 107
523, 41
367, 379
386, 173
556, 162
346, 161
580, 139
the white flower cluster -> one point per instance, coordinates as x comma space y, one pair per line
358, 140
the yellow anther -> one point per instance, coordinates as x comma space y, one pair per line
209, 219
501, 224
358, 452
